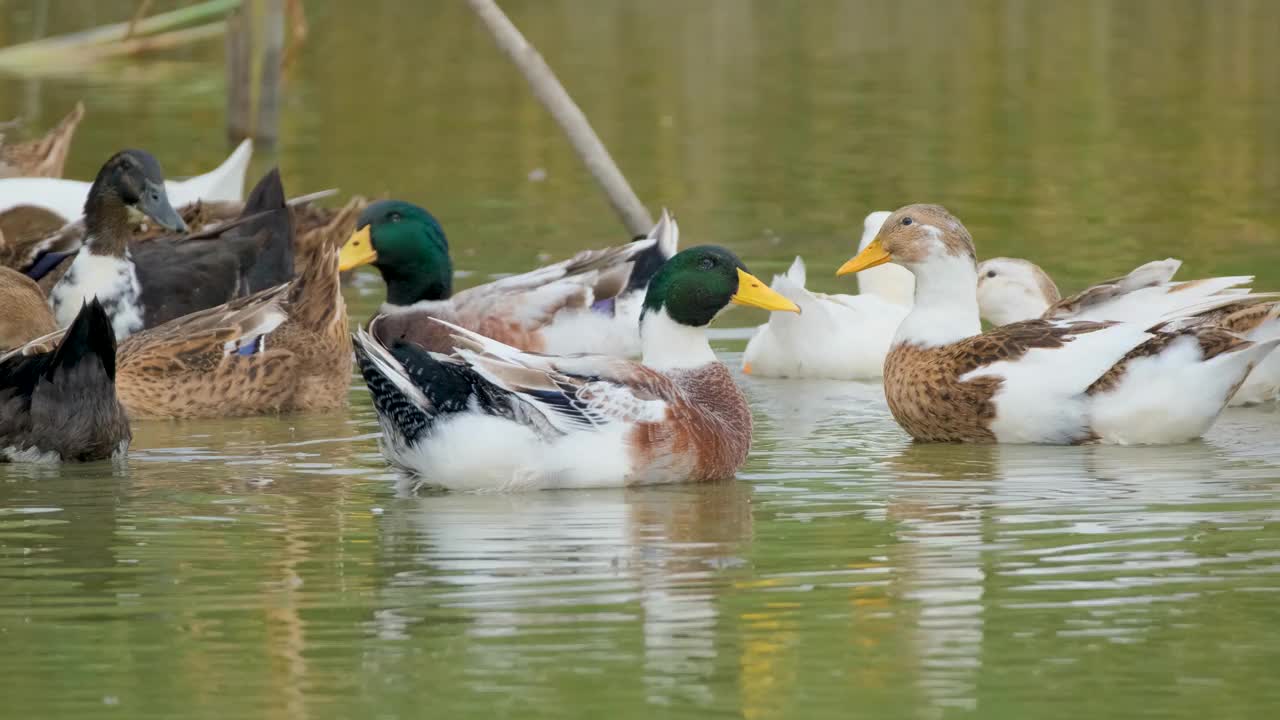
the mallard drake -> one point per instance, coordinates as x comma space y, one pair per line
1039, 381
284, 349
495, 417
588, 303
839, 337
1013, 289
58, 397
26, 315
66, 198
145, 284
43, 157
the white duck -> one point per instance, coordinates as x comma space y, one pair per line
838, 337
1040, 381
66, 198
1012, 290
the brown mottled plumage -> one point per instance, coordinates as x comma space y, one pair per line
190, 367
1051, 381
927, 397
43, 157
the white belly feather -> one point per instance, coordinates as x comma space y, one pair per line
111, 279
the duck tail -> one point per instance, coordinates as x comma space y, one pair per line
666, 234
273, 263
90, 335
403, 409
315, 299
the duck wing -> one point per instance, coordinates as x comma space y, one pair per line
1120, 382
1147, 294
573, 393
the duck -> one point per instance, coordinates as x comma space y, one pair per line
146, 284
280, 350
836, 337
66, 198
58, 399
492, 417
589, 303
44, 157
1013, 289
1039, 381
37, 242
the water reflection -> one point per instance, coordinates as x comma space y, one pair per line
525, 569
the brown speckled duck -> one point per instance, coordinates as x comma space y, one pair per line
1040, 381
496, 418
286, 349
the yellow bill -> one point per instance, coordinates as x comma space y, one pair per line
871, 256
753, 293
357, 251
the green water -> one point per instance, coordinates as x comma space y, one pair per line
273, 567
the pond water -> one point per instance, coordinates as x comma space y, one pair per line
273, 567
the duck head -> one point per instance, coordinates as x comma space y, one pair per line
931, 243
915, 237
1012, 290
131, 181
888, 281
686, 294
407, 246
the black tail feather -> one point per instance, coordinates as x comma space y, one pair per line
274, 263
644, 267
90, 334
448, 387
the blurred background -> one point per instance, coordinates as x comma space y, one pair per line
1087, 136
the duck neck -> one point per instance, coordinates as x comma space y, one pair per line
1014, 307
408, 284
669, 345
946, 303
106, 221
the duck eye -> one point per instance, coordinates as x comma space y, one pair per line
906, 221
991, 273
394, 217
706, 263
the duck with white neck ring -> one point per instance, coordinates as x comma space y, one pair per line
836, 337
1039, 381
491, 417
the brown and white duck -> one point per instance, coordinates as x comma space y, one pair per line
1011, 290
1040, 381
496, 418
